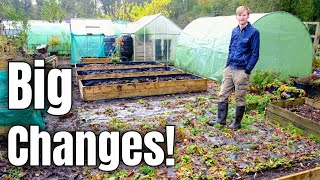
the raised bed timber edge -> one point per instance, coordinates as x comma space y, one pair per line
102, 66
113, 88
276, 111
118, 73
311, 174
88, 60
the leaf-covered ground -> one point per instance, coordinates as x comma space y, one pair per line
260, 149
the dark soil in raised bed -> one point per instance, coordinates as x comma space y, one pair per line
118, 64
142, 79
127, 70
306, 111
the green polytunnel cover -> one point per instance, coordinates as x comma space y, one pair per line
86, 46
41, 32
285, 45
23, 117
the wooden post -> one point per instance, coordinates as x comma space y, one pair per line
315, 36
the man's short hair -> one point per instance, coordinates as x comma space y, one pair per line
240, 9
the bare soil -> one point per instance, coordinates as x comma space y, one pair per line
126, 80
133, 70
306, 111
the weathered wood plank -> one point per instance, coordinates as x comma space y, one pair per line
312, 174
294, 118
139, 93
289, 103
285, 117
312, 103
117, 67
94, 60
52, 61
141, 89
119, 75
284, 122
144, 86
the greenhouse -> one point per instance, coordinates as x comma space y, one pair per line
154, 38
285, 45
87, 37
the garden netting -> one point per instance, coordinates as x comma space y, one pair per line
24, 117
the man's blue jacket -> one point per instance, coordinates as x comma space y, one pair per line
244, 48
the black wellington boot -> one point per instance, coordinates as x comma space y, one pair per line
222, 114
239, 115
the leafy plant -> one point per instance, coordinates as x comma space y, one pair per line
293, 129
257, 102
67, 43
54, 42
147, 170
209, 159
165, 103
203, 119
260, 79
195, 149
314, 138
316, 62
15, 172
110, 112
185, 159
3, 43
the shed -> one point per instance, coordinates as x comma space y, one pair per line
285, 45
154, 38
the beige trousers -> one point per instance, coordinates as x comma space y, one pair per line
234, 79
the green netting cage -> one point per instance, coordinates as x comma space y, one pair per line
23, 117
86, 46
285, 45
87, 37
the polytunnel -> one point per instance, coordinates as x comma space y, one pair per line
41, 32
285, 45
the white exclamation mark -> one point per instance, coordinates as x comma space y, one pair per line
170, 142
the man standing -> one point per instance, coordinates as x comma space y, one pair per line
243, 56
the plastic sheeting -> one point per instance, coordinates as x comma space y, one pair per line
41, 31
285, 45
86, 46
91, 26
16, 117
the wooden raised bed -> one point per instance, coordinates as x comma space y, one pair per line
276, 111
312, 174
118, 73
52, 61
89, 60
112, 88
102, 66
